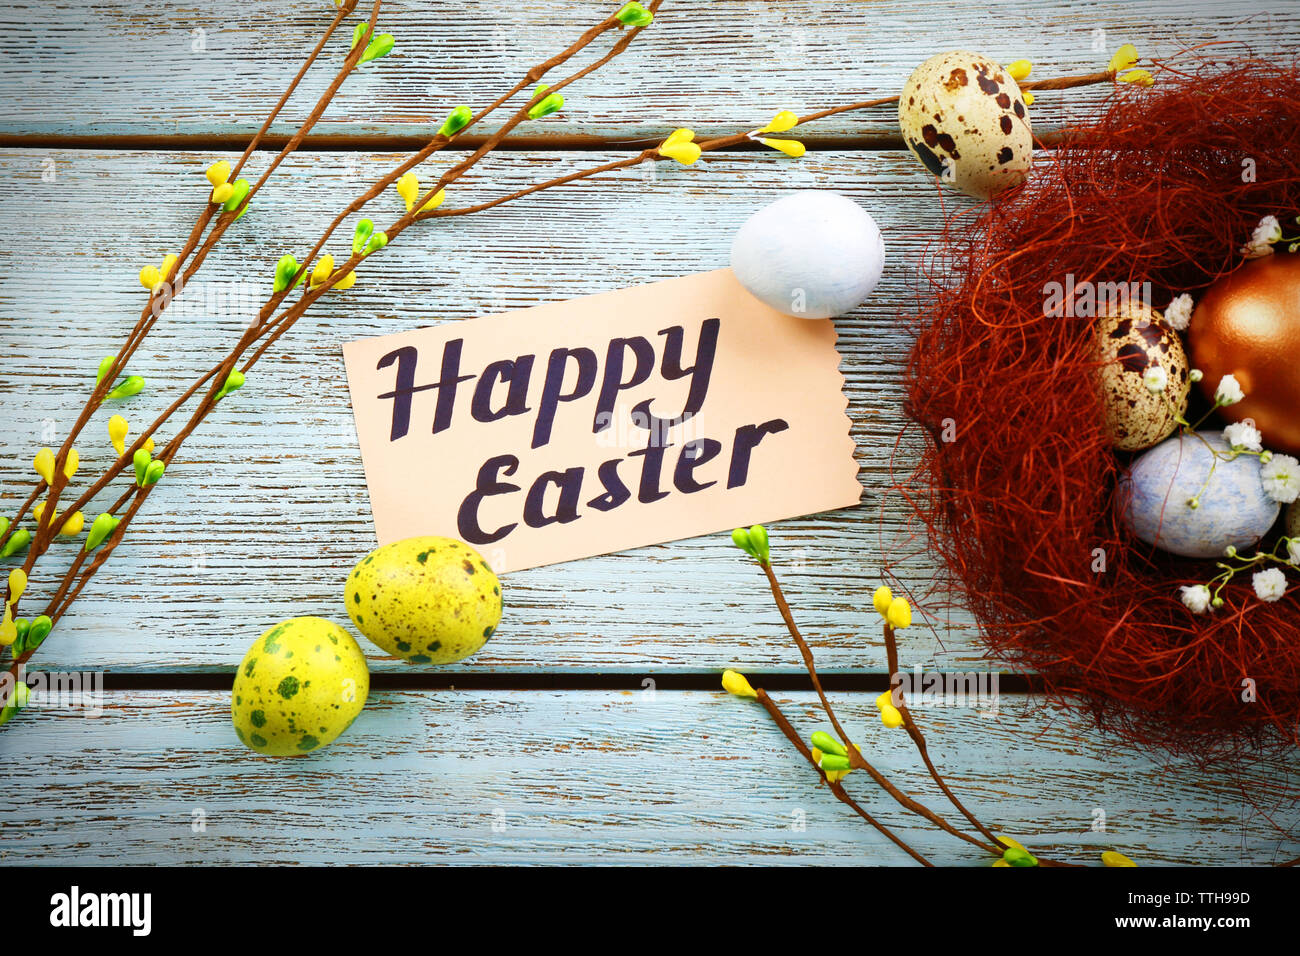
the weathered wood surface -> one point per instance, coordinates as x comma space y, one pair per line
131, 68
266, 512
590, 777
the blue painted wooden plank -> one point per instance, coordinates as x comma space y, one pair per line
125, 68
594, 777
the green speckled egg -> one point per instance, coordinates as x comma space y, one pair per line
429, 600
299, 686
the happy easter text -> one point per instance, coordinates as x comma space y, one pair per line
501, 390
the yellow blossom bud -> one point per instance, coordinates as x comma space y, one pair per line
679, 146
71, 463
1019, 69
117, 431
1138, 77
222, 193
17, 584
882, 599
38, 511
1001, 862
408, 187
434, 201
167, 263
1115, 858
1027, 97
735, 683
1125, 57
684, 153
899, 614
791, 147
323, 269
782, 122
44, 465
218, 173
891, 716
347, 282
73, 525
150, 277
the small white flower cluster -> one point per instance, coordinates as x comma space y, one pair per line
1178, 313
1244, 436
1229, 391
1156, 379
1281, 478
1261, 242
1197, 598
1270, 584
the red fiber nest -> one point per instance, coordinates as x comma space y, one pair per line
1153, 191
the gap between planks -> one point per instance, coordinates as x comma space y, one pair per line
784, 682
392, 143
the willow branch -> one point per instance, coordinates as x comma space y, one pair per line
835, 787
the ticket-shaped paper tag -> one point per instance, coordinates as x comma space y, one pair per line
598, 424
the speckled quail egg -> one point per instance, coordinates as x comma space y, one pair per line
430, 600
1134, 343
300, 685
963, 116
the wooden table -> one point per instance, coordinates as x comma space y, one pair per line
591, 728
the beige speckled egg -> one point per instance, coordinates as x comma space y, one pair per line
963, 117
1131, 340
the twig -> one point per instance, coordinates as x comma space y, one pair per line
835, 787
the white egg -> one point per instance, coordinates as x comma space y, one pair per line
963, 116
814, 254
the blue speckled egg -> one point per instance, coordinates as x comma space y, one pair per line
1234, 510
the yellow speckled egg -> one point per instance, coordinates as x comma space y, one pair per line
430, 600
963, 117
1131, 341
299, 686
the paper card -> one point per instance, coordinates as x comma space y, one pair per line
578, 428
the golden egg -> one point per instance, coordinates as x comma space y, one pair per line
1248, 325
1131, 341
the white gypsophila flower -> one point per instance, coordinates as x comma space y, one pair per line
1197, 598
1229, 391
1281, 478
1156, 379
1261, 242
1244, 435
1178, 313
1196, 375
1269, 584
1293, 551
